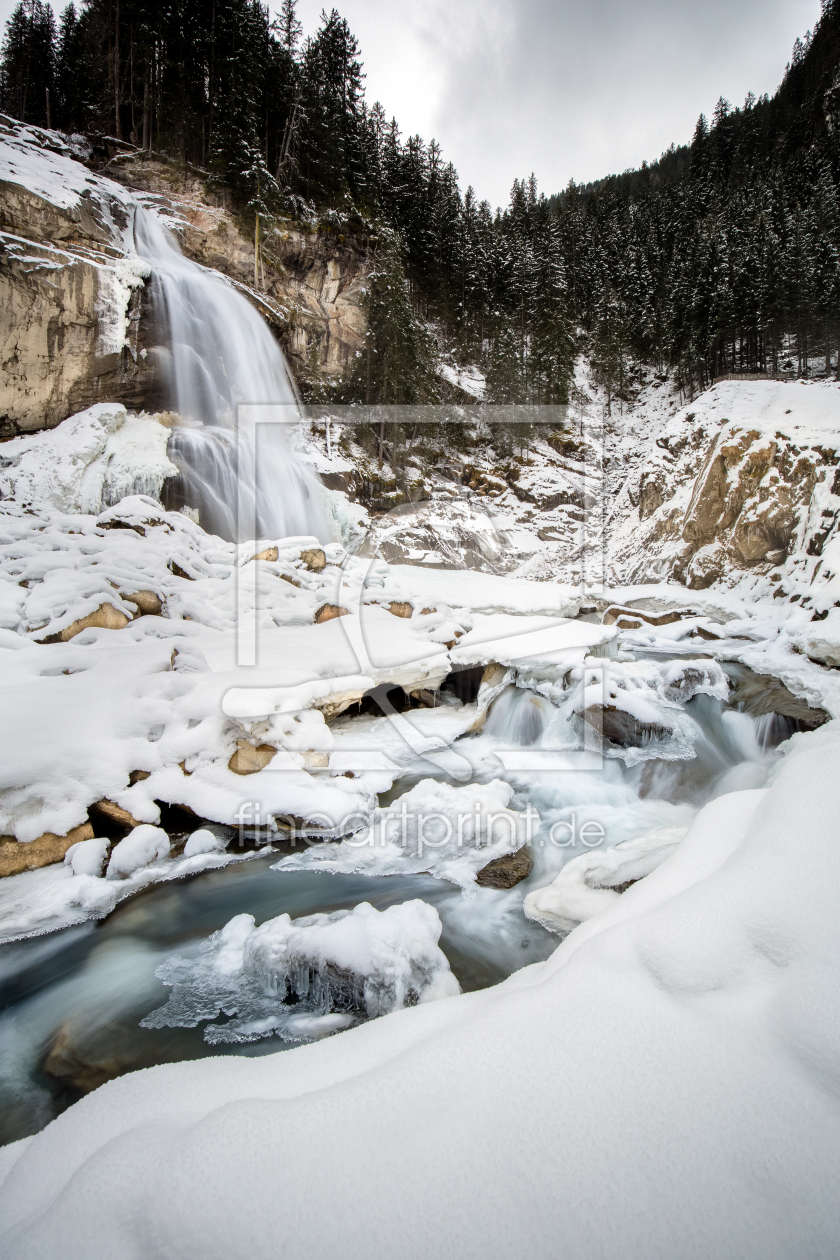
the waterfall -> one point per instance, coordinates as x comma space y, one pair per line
244, 479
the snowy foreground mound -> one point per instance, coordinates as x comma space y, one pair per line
666, 1084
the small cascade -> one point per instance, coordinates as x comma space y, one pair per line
243, 478
518, 718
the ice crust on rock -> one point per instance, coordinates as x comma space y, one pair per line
305, 978
451, 832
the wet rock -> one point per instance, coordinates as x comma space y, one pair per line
762, 694
114, 813
17, 856
507, 871
622, 728
248, 758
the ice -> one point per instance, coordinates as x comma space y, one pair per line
304, 978
451, 832
142, 846
586, 886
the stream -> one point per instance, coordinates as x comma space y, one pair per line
71, 1003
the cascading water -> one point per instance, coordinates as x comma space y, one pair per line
243, 478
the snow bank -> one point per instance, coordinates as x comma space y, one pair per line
88, 462
641, 1056
305, 978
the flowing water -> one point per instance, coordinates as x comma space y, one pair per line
218, 358
71, 1004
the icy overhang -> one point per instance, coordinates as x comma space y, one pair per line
530, 641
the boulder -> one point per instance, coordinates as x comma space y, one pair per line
507, 871
105, 617
621, 728
114, 813
400, 608
149, 604
270, 554
328, 612
622, 617
248, 758
314, 559
17, 855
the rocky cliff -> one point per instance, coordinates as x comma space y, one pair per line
76, 326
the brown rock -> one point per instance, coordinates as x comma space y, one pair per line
314, 559
400, 608
328, 612
332, 706
507, 871
17, 856
618, 614
270, 554
621, 728
115, 813
106, 617
85, 1055
248, 759
149, 604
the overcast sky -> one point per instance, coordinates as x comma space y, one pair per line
569, 89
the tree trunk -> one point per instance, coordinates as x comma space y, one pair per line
117, 127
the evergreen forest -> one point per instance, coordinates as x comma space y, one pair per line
719, 257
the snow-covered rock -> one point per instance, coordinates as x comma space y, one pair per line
142, 846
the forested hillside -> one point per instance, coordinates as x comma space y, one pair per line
720, 257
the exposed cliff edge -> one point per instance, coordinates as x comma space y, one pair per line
75, 320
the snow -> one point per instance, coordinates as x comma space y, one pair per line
204, 841
88, 463
644, 1051
334, 968
142, 846
87, 857
586, 886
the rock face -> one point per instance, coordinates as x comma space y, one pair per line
72, 315
737, 485
311, 279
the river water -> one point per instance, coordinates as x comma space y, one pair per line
71, 1003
